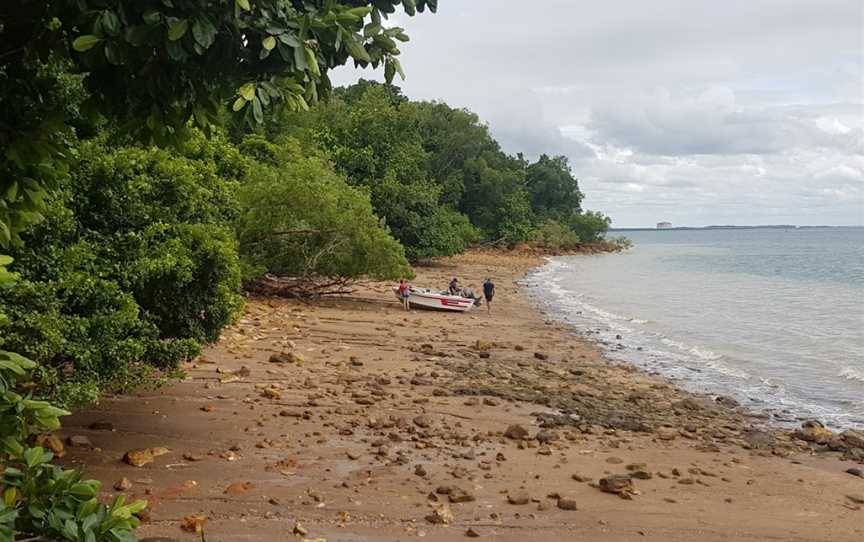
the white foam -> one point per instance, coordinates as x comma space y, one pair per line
851, 373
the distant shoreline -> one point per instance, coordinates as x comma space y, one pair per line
767, 227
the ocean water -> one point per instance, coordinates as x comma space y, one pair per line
772, 317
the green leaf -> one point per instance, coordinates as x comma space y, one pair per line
111, 22
360, 12
410, 7
247, 91
312, 60
6, 260
33, 456
239, 104
268, 43
204, 32
243, 4
257, 112
177, 29
371, 29
356, 49
85, 42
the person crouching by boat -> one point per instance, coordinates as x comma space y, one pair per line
488, 293
454, 286
404, 294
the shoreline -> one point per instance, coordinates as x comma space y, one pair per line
376, 410
699, 375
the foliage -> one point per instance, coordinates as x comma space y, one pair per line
553, 190
134, 267
38, 497
590, 226
300, 218
553, 235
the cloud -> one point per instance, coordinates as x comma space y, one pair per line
694, 111
711, 121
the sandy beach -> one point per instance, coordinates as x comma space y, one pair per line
349, 419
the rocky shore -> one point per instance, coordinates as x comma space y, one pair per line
350, 419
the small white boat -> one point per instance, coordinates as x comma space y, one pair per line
424, 298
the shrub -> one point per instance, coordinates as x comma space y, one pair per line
553, 235
300, 218
590, 226
40, 498
134, 267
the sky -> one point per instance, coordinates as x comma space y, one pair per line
694, 112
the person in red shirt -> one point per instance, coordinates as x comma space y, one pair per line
404, 293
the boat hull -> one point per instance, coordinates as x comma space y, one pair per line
428, 300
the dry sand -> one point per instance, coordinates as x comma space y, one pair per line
376, 409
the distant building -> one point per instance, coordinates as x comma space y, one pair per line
664, 225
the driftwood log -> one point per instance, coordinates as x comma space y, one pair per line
299, 287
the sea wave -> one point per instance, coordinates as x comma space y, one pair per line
851, 373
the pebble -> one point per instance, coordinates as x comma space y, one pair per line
516, 432
567, 504
518, 498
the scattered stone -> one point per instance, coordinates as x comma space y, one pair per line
423, 420
727, 401
614, 460
855, 472
139, 458
580, 478
856, 498
353, 456
356, 362
518, 498
189, 456
440, 515
545, 436
544, 450
123, 484
419, 470
617, 483
79, 441
688, 403
516, 432
238, 488
459, 495
472, 533
194, 523
567, 504
541, 356
759, 440
814, 431
286, 357
489, 401
300, 530
666, 433
101, 425
208, 408
853, 438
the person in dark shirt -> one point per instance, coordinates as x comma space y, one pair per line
454, 286
488, 293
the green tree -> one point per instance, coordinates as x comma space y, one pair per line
553, 190
300, 218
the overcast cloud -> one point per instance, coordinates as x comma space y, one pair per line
693, 111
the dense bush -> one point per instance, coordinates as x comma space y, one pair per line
553, 235
590, 226
300, 218
135, 266
38, 497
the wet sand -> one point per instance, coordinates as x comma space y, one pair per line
376, 423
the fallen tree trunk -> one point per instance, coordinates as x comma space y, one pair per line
300, 287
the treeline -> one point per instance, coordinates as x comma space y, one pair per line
437, 176
143, 252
